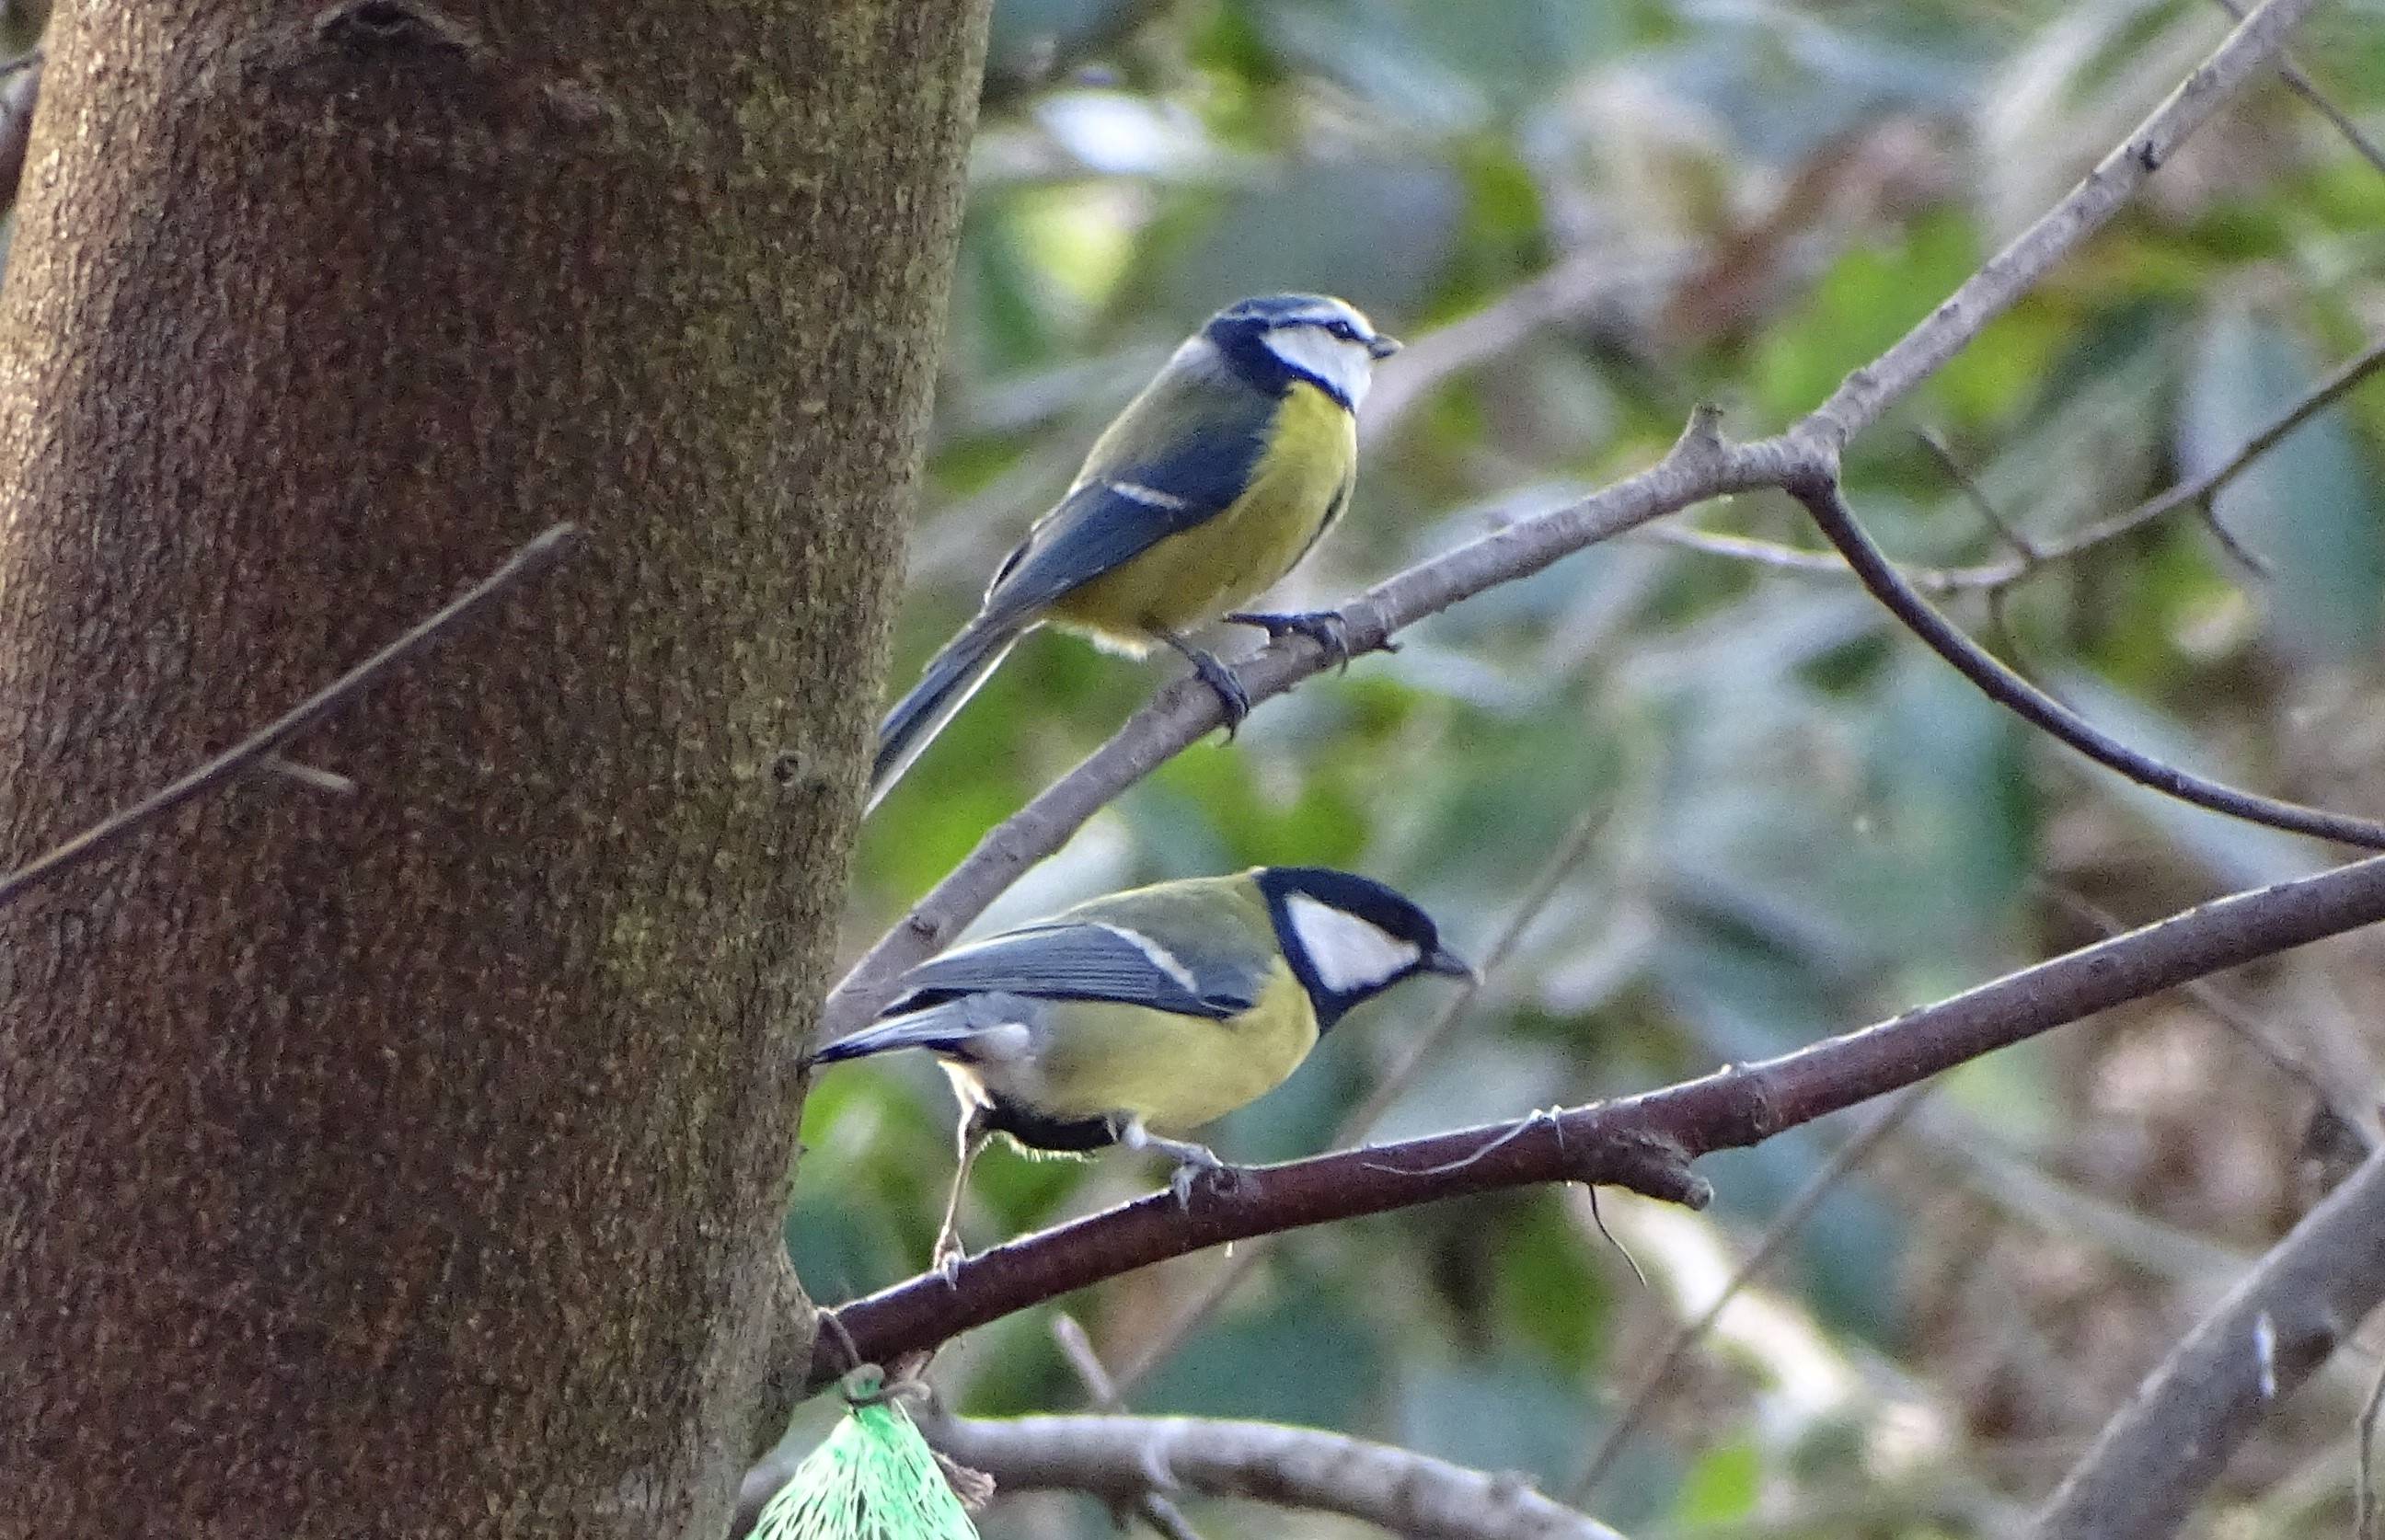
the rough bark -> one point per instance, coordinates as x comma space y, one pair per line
399, 1163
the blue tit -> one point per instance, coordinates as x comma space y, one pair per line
1206, 490
1138, 1017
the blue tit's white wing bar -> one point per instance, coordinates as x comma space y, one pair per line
1132, 507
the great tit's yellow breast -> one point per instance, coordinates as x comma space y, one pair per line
1175, 1073
1301, 480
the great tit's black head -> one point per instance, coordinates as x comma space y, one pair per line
1273, 339
1349, 938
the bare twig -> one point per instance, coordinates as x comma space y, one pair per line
1698, 467
1400, 1491
2347, 1106
1004, 90
2290, 70
314, 777
2200, 492
1577, 288
1982, 505
2363, 1481
1869, 391
2153, 1461
1989, 577
530, 561
1642, 1142
20, 93
1150, 1506
1658, 1377
1823, 500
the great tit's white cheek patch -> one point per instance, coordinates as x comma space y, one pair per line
1346, 368
1345, 953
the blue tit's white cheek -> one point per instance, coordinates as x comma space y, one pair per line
1348, 955
1345, 367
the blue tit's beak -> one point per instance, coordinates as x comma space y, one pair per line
1380, 346
1441, 960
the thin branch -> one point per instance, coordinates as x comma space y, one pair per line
20, 93
1659, 1376
1698, 467
1982, 505
1077, 1347
2155, 1460
2347, 1106
1115, 1457
314, 777
2290, 70
2201, 490
1642, 1142
532, 560
2363, 1475
1003, 91
1989, 577
1869, 391
1573, 290
1571, 849
1823, 500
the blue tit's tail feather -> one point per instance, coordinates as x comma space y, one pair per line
951, 678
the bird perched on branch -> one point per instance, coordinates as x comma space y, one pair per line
1138, 1017
1209, 487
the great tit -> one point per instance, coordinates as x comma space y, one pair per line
1209, 487
1140, 1016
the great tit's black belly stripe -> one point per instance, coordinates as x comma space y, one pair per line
1058, 1136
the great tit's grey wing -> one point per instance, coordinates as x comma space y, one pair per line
1176, 458
1084, 959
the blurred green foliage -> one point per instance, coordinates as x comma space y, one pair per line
1805, 821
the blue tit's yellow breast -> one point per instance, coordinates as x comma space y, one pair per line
1175, 1073
1299, 484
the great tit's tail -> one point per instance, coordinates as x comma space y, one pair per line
951, 678
972, 1029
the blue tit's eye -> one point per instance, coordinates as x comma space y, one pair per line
1344, 330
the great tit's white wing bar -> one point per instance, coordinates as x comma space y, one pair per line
1087, 960
1131, 500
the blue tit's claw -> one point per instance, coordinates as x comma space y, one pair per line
1233, 701
1328, 628
947, 1261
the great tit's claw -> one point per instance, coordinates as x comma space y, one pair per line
1328, 628
1189, 1174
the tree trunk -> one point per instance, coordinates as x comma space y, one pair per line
411, 1163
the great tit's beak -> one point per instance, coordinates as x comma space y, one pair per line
1380, 346
1441, 960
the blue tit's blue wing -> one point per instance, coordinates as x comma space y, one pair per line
1084, 960
1179, 455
